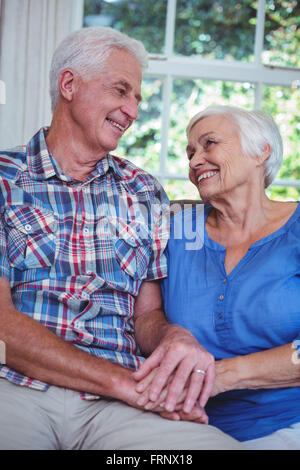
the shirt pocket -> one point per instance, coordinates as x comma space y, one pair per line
133, 249
31, 235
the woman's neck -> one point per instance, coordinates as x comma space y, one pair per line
245, 216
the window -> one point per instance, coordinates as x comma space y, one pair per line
205, 52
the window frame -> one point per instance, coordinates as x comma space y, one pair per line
169, 66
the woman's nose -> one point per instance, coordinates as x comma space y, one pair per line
197, 159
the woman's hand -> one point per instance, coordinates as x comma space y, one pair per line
175, 363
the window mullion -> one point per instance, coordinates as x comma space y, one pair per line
165, 125
259, 32
258, 95
258, 49
167, 91
170, 27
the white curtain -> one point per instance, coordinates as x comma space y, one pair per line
30, 30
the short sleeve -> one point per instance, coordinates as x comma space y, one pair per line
4, 261
160, 229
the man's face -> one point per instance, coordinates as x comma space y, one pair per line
104, 107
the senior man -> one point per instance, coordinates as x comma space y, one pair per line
82, 249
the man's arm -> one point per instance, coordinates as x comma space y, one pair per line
175, 354
35, 351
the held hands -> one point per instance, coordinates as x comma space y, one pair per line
172, 377
197, 413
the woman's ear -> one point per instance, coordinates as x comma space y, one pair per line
264, 154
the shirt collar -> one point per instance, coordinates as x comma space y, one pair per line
42, 166
40, 163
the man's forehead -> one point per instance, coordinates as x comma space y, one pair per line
126, 72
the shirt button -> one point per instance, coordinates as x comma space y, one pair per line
221, 297
85, 295
86, 230
28, 228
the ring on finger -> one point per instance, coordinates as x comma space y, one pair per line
200, 371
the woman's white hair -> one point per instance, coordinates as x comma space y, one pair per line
256, 130
86, 51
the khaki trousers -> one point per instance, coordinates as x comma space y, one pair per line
59, 419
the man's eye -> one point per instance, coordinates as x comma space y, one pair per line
209, 142
121, 91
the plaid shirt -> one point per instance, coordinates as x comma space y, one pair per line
75, 253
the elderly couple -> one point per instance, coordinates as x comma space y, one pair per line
87, 294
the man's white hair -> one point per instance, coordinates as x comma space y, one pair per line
86, 51
256, 130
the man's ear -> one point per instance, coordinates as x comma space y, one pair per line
68, 83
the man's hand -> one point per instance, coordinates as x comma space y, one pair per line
176, 360
197, 415
128, 394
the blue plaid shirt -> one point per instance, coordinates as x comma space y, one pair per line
75, 253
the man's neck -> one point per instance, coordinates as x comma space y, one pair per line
74, 156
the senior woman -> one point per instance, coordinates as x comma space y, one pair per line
237, 288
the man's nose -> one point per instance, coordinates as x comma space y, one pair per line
131, 108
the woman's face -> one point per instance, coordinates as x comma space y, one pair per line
217, 163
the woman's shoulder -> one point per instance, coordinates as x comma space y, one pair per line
189, 213
188, 225
285, 214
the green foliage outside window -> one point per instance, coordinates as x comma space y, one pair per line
215, 30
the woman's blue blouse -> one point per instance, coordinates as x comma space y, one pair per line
254, 308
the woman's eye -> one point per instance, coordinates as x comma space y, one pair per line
190, 156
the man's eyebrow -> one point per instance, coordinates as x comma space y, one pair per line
128, 88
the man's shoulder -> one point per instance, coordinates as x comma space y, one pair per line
12, 161
134, 175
